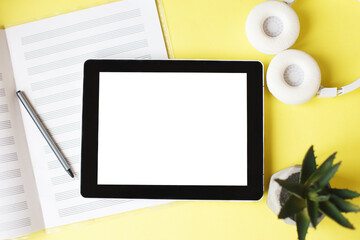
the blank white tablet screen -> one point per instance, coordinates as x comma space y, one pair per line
172, 129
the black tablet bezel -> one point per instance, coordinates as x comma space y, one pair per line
254, 188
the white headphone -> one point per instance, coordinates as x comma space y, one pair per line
293, 76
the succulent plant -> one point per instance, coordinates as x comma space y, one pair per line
313, 195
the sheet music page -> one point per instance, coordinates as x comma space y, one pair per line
20, 211
48, 57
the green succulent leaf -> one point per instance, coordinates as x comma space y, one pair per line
332, 212
308, 165
313, 196
344, 193
325, 178
324, 167
313, 208
302, 224
294, 188
343, 205
292, 206
314, 189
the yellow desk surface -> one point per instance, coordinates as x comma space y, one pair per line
214, 29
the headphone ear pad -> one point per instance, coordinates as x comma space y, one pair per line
293, 77
272, 27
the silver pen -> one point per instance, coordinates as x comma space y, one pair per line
44, 132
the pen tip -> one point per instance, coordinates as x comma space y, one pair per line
70, 173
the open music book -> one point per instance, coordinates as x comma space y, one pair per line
45, 60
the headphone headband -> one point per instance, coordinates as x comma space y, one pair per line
333, 92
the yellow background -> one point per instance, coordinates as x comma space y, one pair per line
214, 29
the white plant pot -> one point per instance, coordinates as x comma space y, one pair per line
273, 199
274, 193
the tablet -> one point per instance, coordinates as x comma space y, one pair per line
172, 129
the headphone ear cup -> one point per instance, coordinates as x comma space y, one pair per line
272, 27
293, 77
